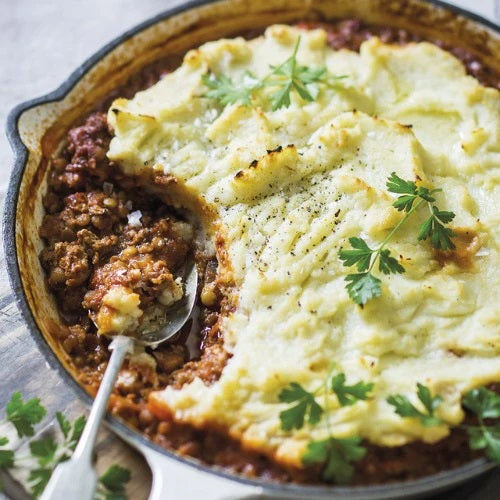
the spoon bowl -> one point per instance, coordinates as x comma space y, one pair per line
177, 315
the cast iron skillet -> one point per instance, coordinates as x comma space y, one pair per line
35, 129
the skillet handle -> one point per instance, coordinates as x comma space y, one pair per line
173, 480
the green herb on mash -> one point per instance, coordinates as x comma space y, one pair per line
405, 408
227, 92
485, 404
350, 394
363, 286
336, 453
290, 75
282, 80
305, 403
433, 227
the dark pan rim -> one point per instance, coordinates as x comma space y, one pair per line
427, 484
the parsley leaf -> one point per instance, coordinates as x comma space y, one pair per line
433, 228
64, 424
306, 404
397, 185
76, 432
6, 459
360, 256
38, 479
363, 287
350, 394
388, 264
112, 483
337, 455
226, 92
24, 414
492, 438
282, 80
44, 450
487, 438
287, 76
485, 404
404, 203
405, 408
430, 403
290, 75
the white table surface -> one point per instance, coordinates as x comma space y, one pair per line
43, 41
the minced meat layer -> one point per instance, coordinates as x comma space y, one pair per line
86, 230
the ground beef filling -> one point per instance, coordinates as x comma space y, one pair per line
93, 243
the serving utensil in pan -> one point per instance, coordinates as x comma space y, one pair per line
76, 478
36, 128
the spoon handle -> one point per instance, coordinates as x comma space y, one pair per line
76, 478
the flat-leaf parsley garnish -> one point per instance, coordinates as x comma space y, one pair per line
290, 76
281, 81
304, 404
47, 452
223, 89
336, 454
112, 483
485, 404
482, 402
350, 394
411, 198
364, 285
426, 416
24, 415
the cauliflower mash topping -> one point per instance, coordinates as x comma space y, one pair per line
289, 188
121, 313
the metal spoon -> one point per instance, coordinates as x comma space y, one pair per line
76, 479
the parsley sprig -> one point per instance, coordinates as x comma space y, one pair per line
411, 198
350, 394
281, 80
364, 285
112, 483
405, 408
335, 454
290, 76
47, 452
305, 403
24, 415
223, 89
485, 404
